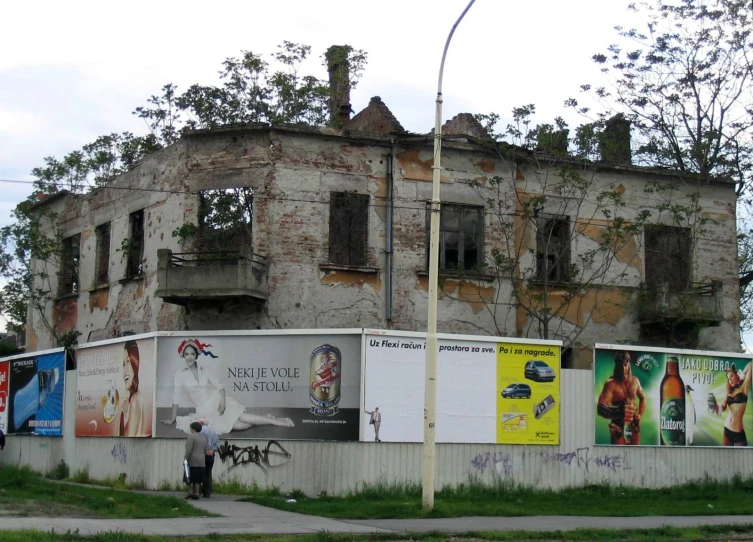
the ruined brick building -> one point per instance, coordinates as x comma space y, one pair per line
332, 232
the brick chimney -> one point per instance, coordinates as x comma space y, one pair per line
339, 85
614, 141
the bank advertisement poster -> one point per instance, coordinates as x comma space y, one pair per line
302, 386
664, 397
4, 377
471, 376
35, 393
115, 389
528, 398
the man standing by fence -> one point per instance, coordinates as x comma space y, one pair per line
212, 447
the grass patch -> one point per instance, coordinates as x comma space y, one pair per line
664, 534
23, 486
384, 501
234, 487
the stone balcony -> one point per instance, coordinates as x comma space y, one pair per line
186, 277
700, 303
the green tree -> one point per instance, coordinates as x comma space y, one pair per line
685, 83
250, 91
564, 247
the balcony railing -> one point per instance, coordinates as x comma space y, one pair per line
183, 277
700, 302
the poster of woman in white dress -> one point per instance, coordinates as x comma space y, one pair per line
254, 386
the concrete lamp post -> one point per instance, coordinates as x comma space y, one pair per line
432, 347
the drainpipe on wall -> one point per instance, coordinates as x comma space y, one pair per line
388, 249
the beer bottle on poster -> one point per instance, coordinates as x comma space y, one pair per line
325, 368
672, 399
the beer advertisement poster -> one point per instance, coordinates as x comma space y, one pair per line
36, 394
4, 377
665, 397
528, 396
279, 386
115, 389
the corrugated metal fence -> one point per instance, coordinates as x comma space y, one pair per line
338, 467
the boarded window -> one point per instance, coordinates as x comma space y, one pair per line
461, 232
102, 271
69, 263
136, 244
348, 228
668, 257
553, 248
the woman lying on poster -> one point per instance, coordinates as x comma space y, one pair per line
736, 400
224, 414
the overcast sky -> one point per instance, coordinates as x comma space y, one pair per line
71, 71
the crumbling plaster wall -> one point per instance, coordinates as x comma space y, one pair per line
123, 305
292, 174
609, 313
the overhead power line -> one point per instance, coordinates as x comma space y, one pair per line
397, 207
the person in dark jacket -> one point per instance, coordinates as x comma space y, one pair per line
213, 446
195, 453
2, 440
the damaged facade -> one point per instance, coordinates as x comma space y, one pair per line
336, 235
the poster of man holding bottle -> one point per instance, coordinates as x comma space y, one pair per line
659, 396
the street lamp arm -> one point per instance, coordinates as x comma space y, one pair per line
447, 46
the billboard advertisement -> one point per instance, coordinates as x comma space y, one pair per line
282, 386
35, 392
115, 389
664, 397
4, 377
528, 395
487, 392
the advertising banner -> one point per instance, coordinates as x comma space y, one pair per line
35, 394
484, 393
528, 396
4, 377
304, 386
652, 397
115, 389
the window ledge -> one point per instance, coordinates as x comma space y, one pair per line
126, 280
97, 287
349, 268
63, 297
448, 273
553, 283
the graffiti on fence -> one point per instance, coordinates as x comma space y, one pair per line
271, 456
119, 453
502, 464
581, 458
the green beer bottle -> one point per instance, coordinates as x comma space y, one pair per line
672, 417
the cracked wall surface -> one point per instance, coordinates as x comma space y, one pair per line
292, 173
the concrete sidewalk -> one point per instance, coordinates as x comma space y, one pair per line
243, 517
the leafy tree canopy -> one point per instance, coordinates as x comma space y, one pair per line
250, 90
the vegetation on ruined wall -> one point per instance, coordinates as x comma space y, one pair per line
250, 91
686, 84
564, 276
685, 87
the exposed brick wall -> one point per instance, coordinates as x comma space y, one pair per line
292, 173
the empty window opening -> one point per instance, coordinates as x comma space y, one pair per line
69, 264
553, 248
102, 271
